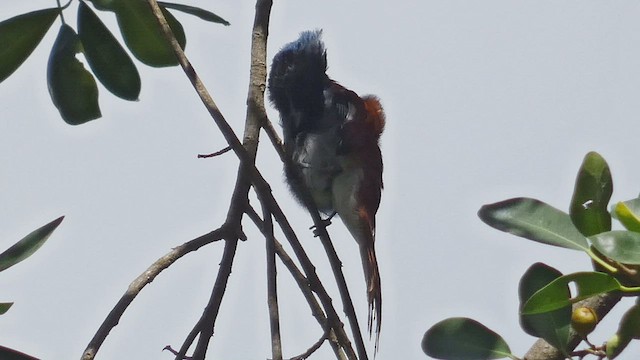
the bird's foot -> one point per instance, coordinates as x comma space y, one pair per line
325, 222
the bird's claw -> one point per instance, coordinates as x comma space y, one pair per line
325, 222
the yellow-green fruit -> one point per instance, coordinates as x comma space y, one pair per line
628, 330
616, 344
583, 321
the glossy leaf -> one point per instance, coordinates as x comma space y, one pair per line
108, 60
463, 339
628, 213
10, 354
552, 326
108, 5
534, 220
20, 35
4, 307
72, 88
591, 196
553, 296
143, 35
28, 245
192, 10
621, 246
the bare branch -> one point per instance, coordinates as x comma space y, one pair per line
303, 284
272, 289
207, 321
140, 282
347, 303
217, 153
312, 349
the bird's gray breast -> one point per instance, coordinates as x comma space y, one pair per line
315, 155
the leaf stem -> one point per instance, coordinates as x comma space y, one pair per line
633, 290
610, 268
61, 8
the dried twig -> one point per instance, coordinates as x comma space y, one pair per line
217, 153
140, 282
272, 289
312, 349
303, 284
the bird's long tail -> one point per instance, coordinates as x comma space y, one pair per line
374, 291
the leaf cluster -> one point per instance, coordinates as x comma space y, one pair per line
545, 296
72, 87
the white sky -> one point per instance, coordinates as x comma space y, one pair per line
485, 100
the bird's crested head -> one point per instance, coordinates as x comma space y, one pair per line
303, 61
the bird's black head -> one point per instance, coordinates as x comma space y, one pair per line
298, 71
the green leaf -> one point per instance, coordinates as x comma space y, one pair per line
20, 35
4, 307
552, 326
591, 196
534, 220
108, 5
192, 10
10, 354
28, 245
72, 88
621, 246
554, 296
108, 60
627, 213
463, 339
143, 35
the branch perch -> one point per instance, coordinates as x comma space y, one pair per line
601, 304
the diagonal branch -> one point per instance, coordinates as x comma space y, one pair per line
303, 284
314, 281
140, 282
312, 349
272, 289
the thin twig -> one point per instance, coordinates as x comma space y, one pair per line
315, 283
312, 349
217, 153
347, 303
212, 309
314, 280
174, 352
275, 139
303, 284
140, 282
272, 288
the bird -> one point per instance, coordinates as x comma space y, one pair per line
331, 142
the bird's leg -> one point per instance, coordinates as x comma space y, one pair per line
325, 222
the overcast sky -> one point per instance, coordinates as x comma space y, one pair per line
485, 100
